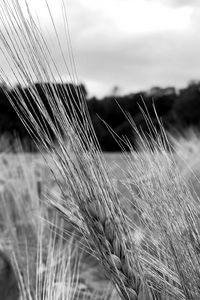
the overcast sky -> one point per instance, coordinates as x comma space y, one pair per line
132, 44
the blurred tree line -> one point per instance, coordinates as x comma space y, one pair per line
177, 110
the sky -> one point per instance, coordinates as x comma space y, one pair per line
131, 44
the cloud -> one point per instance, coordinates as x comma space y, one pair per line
157, 59
177, 3
108, 54
169, 56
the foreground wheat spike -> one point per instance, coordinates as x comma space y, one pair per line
113, 250
106, 223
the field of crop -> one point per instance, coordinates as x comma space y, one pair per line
40, 243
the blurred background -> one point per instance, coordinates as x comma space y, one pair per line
137, 53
